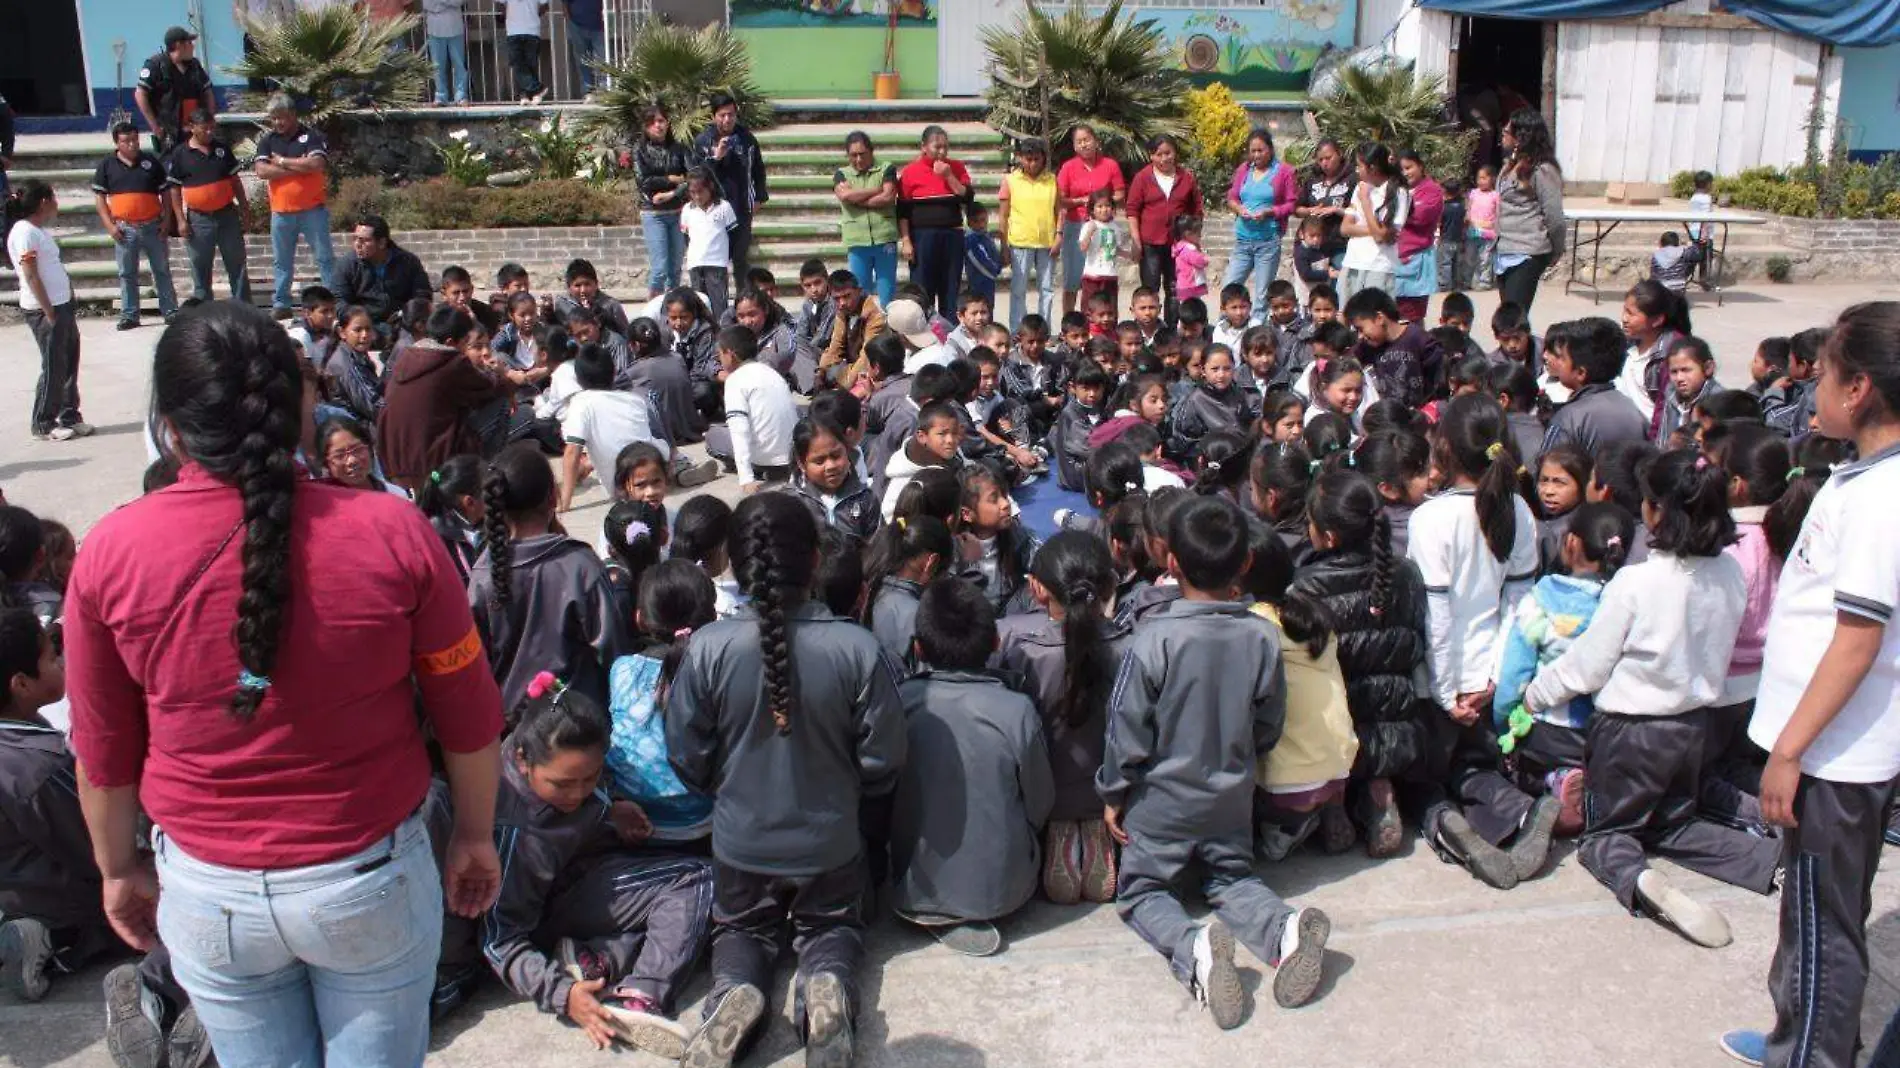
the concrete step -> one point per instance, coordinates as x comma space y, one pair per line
61, 178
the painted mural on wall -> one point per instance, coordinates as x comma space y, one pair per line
780, 14
1270, 49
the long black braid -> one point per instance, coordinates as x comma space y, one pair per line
774, 548
229, 382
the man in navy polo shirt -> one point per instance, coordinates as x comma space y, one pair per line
173, 84
128, 192
211, 208
294, 160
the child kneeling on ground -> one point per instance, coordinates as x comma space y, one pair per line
1200, 698
1656, 655
966, 830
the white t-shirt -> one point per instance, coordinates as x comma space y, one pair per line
760, 416
562, 385
604, 421
707, 242
1846, 559
1165, 182
938, 354
24, 239
1470, 594
524, 17
1367, 254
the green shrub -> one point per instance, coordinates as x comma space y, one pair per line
1682, 185
1890, 205
355, 198
1779, 268
554, 203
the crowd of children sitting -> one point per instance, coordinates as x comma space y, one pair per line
1338, 575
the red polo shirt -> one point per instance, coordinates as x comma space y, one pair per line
334, 758
1078, 179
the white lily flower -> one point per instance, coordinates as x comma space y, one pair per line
547, 127
458, 135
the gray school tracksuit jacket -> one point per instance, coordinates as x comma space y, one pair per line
786, 804
894, 617
1032, 652
46, 866
853, 511
1200, 696
537, 843
973, 852
561, 618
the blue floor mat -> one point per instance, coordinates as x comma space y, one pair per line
1036, 506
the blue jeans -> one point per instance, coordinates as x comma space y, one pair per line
586, 46
313, 226
876, 269
329, 964
1255, 263
1024, 263
147, 238
666, 249
219, 234
447, 53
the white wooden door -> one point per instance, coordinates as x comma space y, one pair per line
960, 52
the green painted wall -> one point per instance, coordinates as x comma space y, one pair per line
837, 62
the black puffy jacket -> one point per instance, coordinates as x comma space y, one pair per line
1378, 655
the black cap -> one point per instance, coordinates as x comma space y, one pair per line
177, 34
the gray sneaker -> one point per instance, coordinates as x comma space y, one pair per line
26, 949
135, 1037
972, 939
187, 1046
1697, 922
1216, 980
720, 1034
697, 474
1302, 957
829, 1042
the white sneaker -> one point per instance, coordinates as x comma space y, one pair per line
1302, 957
83, 429
1698, 922
1216, 981
62, 433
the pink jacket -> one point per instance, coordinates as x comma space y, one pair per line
1190, 270
1763, 573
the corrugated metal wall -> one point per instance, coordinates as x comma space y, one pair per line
960, 52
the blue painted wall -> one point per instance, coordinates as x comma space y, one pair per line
1870, 99
141, 24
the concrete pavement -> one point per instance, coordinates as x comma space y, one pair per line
1428, 967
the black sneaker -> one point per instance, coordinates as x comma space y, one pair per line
1532, 847
187, 1046
128, 324
1490, 864
134, 1033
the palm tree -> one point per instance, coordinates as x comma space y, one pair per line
1051, 74
679, 69
330, 59
1392, 105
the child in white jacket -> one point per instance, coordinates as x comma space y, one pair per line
1656, 655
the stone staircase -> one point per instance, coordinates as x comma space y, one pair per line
798, 223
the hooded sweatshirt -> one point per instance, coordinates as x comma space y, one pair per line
426, 407
898, 473
1543, 628
1761, 570
560, 617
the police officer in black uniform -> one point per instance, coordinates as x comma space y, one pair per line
173, 84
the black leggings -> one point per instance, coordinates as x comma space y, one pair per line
1157, 273
1519, 284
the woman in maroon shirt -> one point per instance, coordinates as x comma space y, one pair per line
245, 651
1417, 276
1162, 192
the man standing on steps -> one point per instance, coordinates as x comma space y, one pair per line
734, 156
294, 160
172, 85
210, 206
128, 191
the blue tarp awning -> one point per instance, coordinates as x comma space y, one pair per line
1847, 23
